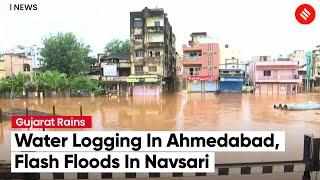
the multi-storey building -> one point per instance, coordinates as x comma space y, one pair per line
261, 58
275, 77
2, 68
16, 62
227, 56
316, 66
201, 63
231, 76
153, 54
31, 52
115, 69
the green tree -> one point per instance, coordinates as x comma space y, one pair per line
117, 46
80, 82
64, 53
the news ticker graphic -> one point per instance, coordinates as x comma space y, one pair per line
51, 122
133, 151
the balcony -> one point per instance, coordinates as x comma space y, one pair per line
155, 44
192, 60
280, 78
124, 65
138, 61
137, 46
186, 48
117, 79
155, 29
153, 60
137, 31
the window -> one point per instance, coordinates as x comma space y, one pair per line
138, 69
154, 53
194, 71
139, 53
152, 68
138, 37
193, 54
26, 67
267, 73
156, 23
137, 23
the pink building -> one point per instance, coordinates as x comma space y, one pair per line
275, 77
201, 63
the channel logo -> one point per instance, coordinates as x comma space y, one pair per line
23, 7
305, 14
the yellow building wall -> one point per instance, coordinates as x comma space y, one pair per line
151, 20
155, 37
2, 69
228, 53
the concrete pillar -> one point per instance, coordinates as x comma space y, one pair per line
259, 88
118, 88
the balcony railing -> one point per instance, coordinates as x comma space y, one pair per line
124, 65
117, 78
155, 29
156, 59
155, 44
191, 60
138, 61
281, 77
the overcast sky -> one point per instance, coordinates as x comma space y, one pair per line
254, 27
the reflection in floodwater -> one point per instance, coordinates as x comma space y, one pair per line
1, 134
194, 111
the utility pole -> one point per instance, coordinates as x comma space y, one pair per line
11, 93
23, 89
309, 73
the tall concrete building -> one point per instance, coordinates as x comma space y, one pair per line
153, 54
201, 63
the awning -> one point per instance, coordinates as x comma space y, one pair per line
203, 78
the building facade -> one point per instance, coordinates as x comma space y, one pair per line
201, 63
115, 69
153, 54
231, 80
16, 62
31, 52
2, 68
275, 77
227, 53
316, 66
261, 58
179, 73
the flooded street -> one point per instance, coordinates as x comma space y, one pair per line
187, 112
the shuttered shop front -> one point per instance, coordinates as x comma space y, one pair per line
210, 86
231, 84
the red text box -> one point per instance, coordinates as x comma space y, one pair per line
51, 122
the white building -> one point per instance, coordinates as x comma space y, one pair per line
31, 52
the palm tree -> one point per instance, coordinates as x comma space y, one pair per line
56, 80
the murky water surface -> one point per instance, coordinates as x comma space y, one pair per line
188, 112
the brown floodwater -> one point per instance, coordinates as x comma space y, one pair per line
183, 111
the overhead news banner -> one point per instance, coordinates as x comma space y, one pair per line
51, 121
